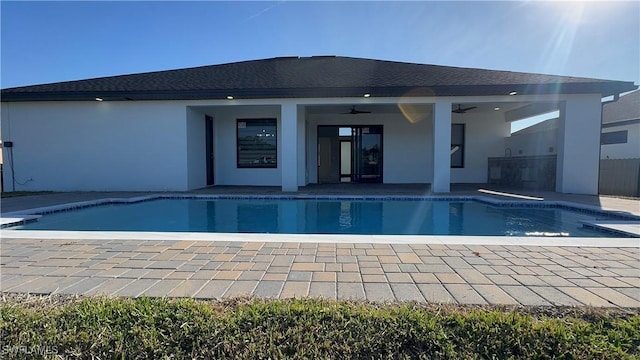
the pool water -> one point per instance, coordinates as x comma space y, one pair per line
298, 216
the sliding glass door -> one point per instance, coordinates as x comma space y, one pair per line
349, 154
366, 149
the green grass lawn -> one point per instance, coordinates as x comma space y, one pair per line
107, 328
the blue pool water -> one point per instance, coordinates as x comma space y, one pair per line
387, 217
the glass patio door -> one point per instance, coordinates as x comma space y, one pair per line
366, 147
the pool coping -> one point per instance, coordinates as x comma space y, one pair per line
622, 226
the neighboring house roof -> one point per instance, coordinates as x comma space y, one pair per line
627, 108
546, 125
305, 77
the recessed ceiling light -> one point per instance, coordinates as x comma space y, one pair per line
513, 93
99, 99
496, 108
229, 97
367, 95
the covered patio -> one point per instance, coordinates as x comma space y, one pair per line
408, 140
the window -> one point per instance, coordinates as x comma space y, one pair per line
457, 145
257, 143
614, 137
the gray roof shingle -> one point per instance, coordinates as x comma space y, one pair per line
322, 76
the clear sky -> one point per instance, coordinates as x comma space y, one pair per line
44, 42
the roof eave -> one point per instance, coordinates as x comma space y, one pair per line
603, 88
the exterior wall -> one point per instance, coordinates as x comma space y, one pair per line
484, 138
95, 146
225, 144
532, 144
160, 146
630, 150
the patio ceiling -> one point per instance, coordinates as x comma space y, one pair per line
480, 107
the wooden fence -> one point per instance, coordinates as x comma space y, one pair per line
620, 177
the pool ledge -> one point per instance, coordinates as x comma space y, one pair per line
323, 238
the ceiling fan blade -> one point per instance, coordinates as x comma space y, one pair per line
461, 110
353, 111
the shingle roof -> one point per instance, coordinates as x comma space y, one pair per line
626, 108
324, 76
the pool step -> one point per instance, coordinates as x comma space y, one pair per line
15, 221
628, 228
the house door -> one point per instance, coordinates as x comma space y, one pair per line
349, 154
366, 154
328, 154
209, 156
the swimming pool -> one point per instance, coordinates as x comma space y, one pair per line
327, 216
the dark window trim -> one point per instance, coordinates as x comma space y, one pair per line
462, 146
614, 137
269, 166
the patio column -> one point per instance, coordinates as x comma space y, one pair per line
302, 147
578, 164
441, 147
289, 146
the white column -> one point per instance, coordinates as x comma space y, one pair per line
289, 144
441, 147
578, 163
302, 144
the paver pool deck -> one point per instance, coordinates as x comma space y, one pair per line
436, 272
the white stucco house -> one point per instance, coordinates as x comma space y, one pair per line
621, 128
290, 122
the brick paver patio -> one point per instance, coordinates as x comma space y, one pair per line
466, 274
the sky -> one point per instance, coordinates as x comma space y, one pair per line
49, 41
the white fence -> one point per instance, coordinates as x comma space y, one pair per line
620, 177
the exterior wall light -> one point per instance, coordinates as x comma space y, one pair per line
513, 93
229, 97
496, 108
99, 99
367, 95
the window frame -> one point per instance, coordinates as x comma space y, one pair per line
273, 165
614, 137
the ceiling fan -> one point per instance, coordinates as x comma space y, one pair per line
461, 110
353, 111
